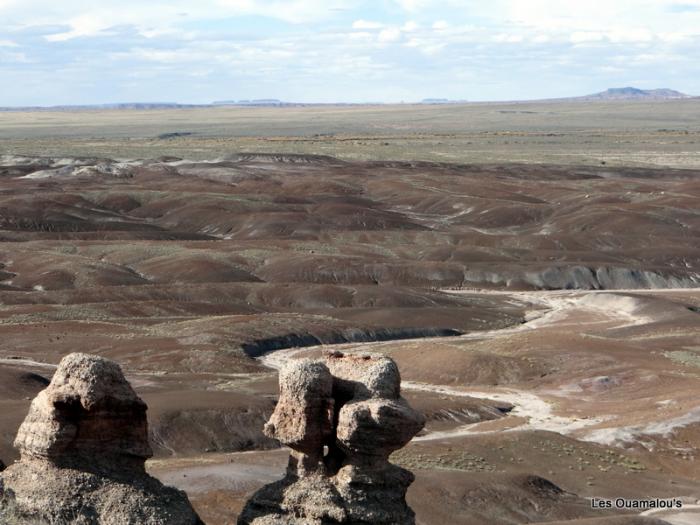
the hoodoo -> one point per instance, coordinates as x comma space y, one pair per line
83, 449
342, 417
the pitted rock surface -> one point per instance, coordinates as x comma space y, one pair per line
342, 417
364, 376
83, 448
303, 417
88, 414
376, 427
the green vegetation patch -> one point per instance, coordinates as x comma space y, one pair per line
688, 357
449, 461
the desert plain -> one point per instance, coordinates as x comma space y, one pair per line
534, 270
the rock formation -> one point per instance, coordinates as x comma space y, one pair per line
83, 449
342, 417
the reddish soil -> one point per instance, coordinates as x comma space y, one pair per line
186, 273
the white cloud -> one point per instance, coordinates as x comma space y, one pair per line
611, 69
676, 37
613, 41
361, 36
295, 11
581, 37
85, 25
94, 18
602, 15
415, 5
506, 38
13, 57
426, 46
628, 35
390, 34
645, 59
366, 24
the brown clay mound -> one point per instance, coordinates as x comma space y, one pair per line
496, 499
192, 269
190, 422
618, 520
446, 365
16, 383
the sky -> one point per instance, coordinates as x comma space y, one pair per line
104, 51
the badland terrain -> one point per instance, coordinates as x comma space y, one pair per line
533, 269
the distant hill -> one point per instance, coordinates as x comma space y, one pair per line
632, 93
120, 105
441, 101
144, 105
257, 102
612, 94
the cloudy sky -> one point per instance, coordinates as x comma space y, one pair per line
198, 51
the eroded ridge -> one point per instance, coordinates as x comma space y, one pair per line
83, 450
342, 417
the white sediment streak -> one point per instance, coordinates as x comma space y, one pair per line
635, 433
536, 411
26, 362
688, 515
548, 308
279, 358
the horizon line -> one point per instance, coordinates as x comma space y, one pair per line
283, 103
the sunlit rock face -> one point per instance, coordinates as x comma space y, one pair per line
342, 417
89, 416
83, 449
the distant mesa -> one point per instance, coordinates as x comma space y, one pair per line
144, 105
441, 101
139, 106
612, 94
633, 93
257, 102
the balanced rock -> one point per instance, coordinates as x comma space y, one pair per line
342, 417
83, 449
303, 417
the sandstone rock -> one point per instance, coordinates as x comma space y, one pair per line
342, 417
364, 376
303, 417
308, 500
376, 427
83, 448
375, 494
89, 414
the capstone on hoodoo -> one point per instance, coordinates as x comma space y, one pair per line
83, 449
342, 417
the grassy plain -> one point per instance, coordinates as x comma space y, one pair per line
573, 133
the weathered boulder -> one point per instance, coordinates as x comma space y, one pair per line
363, 376
376, 427
83, 448
342, 417
303, 417
89, 416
